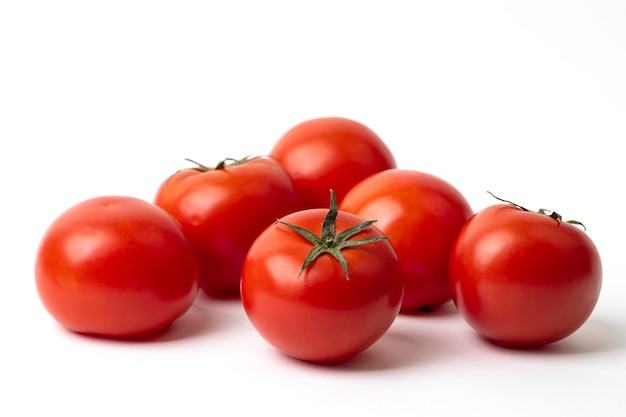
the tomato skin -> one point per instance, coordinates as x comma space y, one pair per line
222, 211
320, 316
330, 153
521, 278
422, 214
115, 266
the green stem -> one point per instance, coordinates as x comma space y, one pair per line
544, 212
224, 163
329, 241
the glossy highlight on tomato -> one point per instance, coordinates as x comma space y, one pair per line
422, 214
222, 210
330, 153
115, 266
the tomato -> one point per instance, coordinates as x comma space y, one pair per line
523, 278
223, 209
422, 214
115, 266
308, 303
330, 153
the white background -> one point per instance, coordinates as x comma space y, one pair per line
524, 99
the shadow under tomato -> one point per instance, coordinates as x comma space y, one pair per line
405, 344
195, 322
395, 350
595, 336
443, 310
205, 316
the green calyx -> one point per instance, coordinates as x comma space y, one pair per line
329, 241
224, 163
545, 212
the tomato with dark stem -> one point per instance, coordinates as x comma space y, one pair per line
223, 209
524, 278
326, 297
116, 266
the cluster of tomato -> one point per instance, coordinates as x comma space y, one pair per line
319, 281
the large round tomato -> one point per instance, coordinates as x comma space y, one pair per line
115, 266
422, 214
523, 278
223, 209
305, 301
330, 153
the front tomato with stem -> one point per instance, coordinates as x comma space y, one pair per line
524, 278
222, 209
321, 297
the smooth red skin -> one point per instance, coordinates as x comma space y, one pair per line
524, 279
115, 266
223, 211
330, 153
421, 214
321, 316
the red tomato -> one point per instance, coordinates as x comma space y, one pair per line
522, 278
223, 209
319, 310
422, 215
330, 153
115, 266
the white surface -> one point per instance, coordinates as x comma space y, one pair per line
525, 99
